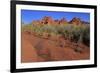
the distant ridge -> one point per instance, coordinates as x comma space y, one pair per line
49, 20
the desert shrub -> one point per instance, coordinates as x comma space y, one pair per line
44, 29
74, 33
77, 33
64, 30
81, 34
26, 27
86, 36
49, 29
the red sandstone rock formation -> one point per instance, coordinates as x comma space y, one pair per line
76, 21
50, 21
63, 21
47, 20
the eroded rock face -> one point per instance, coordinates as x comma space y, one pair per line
76, 21
63, 21
49, 20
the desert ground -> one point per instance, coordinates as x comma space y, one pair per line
38, 49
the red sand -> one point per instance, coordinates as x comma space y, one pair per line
36, 49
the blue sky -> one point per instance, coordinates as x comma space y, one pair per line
27, 16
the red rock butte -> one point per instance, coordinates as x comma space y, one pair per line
49, 20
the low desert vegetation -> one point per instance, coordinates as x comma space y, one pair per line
74, 33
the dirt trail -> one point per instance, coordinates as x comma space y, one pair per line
28, 52
35, 49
